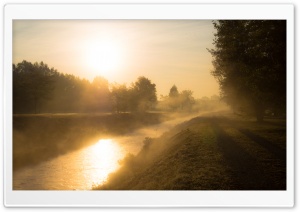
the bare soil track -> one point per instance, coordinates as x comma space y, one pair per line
209, 153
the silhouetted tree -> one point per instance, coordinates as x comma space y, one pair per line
250, 63
32, 83
173, 92
176, 101
173, 99
142, 95
186, 100
100, 98
119, 95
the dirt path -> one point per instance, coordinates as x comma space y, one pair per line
209, 153
254, 171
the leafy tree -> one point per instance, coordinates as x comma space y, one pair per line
119, 94
176, 101
68, 94
32, 83
186, 100
249, 61
100, 98
173, 92
142, 95
173, 99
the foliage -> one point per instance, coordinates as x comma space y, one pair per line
250, 64
173, 92
32, 83
142, 95
176, 101
120, 97
37, 88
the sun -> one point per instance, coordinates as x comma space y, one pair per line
104, 57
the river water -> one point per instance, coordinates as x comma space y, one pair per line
86, 167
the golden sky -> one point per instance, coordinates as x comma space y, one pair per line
167, 52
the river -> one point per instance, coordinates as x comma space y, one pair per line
86, 167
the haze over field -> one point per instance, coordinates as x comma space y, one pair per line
136, 105
166, 51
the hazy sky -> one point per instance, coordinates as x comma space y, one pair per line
167, 52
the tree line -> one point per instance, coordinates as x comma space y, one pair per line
249, 61
37, 88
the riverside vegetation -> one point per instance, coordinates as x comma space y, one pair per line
214, 152
54, 113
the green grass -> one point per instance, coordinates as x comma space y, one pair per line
208, 153
40, 137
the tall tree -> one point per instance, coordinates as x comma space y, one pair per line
101, 94
32, 83
249, 61
173, 91
119, 94
186, 100
142, 95
173, 99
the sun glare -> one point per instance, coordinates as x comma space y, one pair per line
104, 149
104, 159
104, 57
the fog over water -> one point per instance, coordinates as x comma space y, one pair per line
84, 168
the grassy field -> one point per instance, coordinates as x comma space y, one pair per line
37, 138
208, 153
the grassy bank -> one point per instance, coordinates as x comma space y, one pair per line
208, 153
37, 138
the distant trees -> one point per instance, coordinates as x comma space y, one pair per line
173, 101
173, 92
250, 64
139, 97
120, 97
142, 95
38, 88
100, 95
187, 100
68, 94
176, 101
32, 83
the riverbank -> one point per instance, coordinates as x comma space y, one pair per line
222, 152
39, 137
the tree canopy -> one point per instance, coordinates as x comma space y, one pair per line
120, 97
142, 95
139, 97
32, 83
178, 101
38, 88
249, 61
173, 91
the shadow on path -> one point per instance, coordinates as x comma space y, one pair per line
245, 171
268, 145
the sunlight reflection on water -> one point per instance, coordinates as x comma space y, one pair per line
102, 158
81, 169
78, 170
